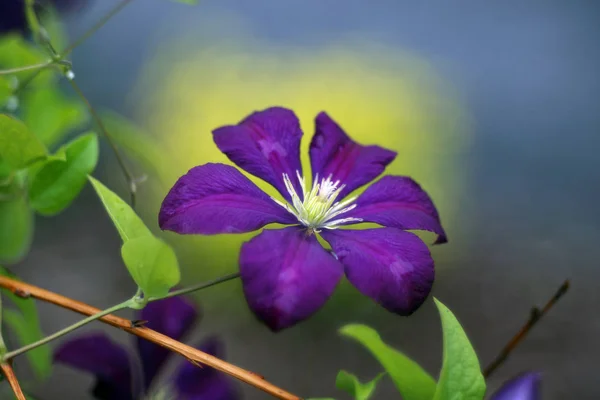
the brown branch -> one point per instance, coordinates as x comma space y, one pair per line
194, 355
535, 316
9, 374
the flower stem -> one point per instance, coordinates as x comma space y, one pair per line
199, 286
62, 332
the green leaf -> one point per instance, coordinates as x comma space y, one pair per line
18, 146
412, 381
150, 261
349, 383
16, 229
191, 2
16, 218
25, 324
51, 115
129, 225
152, 264
6, 90
58, 182
460, 378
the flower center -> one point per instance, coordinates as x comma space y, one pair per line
317, 208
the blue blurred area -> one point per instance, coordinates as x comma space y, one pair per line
527, 73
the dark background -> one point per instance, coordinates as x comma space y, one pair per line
528, 74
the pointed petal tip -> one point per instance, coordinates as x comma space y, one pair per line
525, 386
265, 144
216, 198
333, 152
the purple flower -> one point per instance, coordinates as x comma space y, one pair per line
116, 377
523, 387
286, 273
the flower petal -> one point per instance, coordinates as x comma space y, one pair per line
194, 382
391, 266
287, 276
172, 317
398, 202
217, 198
265, 144
523, 387
108, 361
332, 152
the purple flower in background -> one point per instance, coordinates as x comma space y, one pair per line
286, 274
523, 387
117, 374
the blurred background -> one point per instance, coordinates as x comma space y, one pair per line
492, 107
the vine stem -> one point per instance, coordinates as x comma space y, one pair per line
199, 286
194, 355
57, 58
68, 329
10, 376
95, 27
534, 318
128, 175
39, 66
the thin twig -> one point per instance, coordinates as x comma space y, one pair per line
96, 26
192, 354
535, 316
65, 331
10, 376
199, 286
131, 183
75, 44
26, 68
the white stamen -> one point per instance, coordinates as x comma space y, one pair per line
317, 208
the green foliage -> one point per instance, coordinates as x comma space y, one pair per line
127, 222
25, 324
191, 2
152, 264
6, 90
51, 115
16, 229
58, 182
19, 147
360, 391
16, 219
460, 378
412, 381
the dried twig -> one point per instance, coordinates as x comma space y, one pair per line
9, 374
535, 316
192, 354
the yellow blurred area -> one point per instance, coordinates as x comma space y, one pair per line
378, 95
